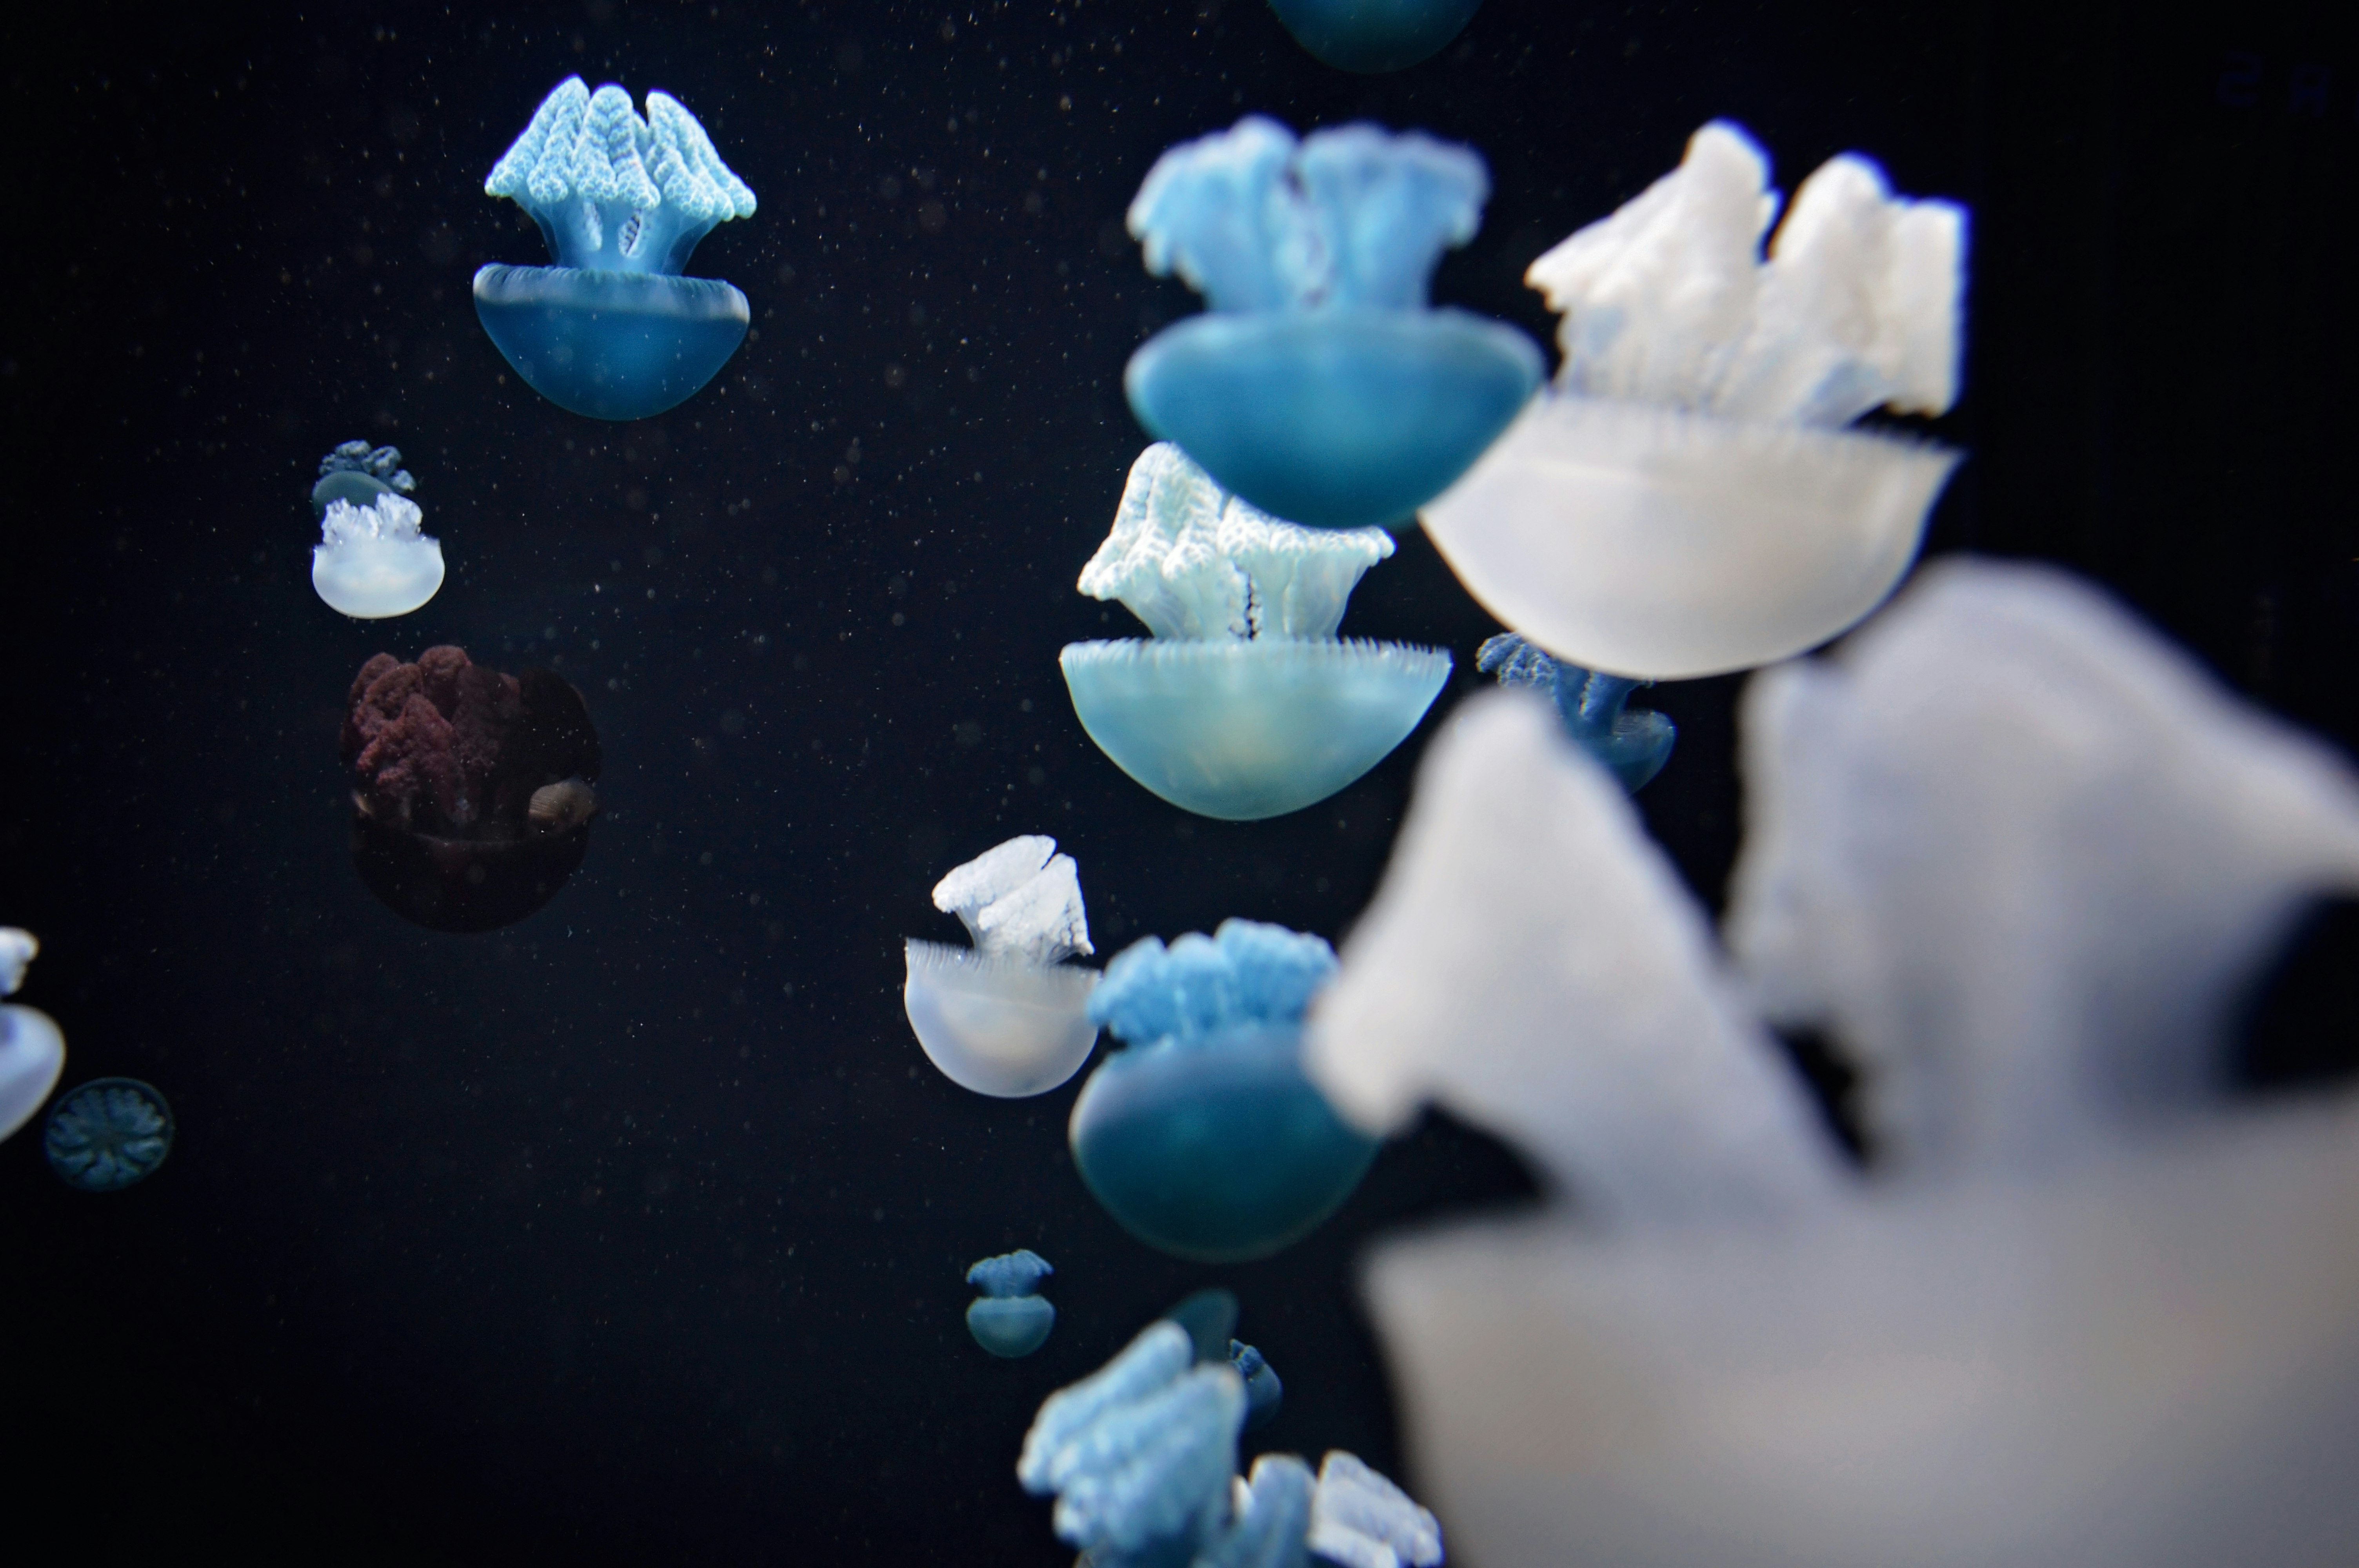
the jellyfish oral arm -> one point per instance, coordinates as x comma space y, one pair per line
1021, 901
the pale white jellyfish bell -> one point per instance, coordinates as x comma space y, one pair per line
32, 1048
375, 561
1685, 500
1007, 1017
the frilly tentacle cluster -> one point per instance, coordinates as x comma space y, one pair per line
1021, 901
1245, 973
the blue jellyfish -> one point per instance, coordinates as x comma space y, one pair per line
1007, 1017
1204, 1138
1244, 705
613, 331
1010, 1318
359, 473
107, 1134
1320, 387
1372, 36
1264, 1392
1632, 744
32, 1047
374, 559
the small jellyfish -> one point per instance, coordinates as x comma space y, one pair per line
1010, 1318
1204, 1138
1264, 1392
1685, 501
359, 473
613, 331
374, 559
1320, 385
1007, 1017
1245, 704
1632, 744
32, 1047
472, 789
108, 1134
1373, 36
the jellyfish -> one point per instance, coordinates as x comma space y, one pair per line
1008, 1017
472, 789
1264, 1392
107, 1135
1632, 744
1010, 1318
1686, 500
360, 473
1372, 36
612, 331
1320, 387
32, 1047
1363, 1519
1204, 1138
1243, 704
373, 559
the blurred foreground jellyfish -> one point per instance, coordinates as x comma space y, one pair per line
1632, 744
1264, 1391
1320, 387
32, 1046
1372, 36
1007, 1017
613, 331
472, 789
108, 1134
1204, 1138
374, 559
2021, 864
1011, 1318
1686, 500
1245, 705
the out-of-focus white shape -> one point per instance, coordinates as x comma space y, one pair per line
1019, 899
2019, 855
1532, 963
32, 1048
1007, 1018
375, 561
1360, 1519
18, 948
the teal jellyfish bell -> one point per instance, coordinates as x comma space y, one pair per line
1373, 36
613, 331
1011, 1319
1204, 1138
1320, 385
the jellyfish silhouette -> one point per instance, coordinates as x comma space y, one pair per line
1008, 1017
1685, 501
471, 788
1320, 387
1204, 1138
1010, 1318
1632, 744
1264, 1392
1244, 705
108, 1134
1372, 36
373, 559
32, 1047
613, 331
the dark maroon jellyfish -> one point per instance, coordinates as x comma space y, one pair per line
472, 789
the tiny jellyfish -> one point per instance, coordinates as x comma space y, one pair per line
472, 789
359, 473
1007, 1017
612, 331
1204, 1138
108, 1134
1686, 500
1264, 1392
374, 559
1373, 36
32, 1047
1243, 704
1632, 744
1011, 1318
1320, 385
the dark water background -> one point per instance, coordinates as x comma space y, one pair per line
634, 1233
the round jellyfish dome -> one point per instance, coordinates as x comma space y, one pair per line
1008, 1017
358, 472
1010, 1319
376, 562
32, 1047
108, 1134
1372, 36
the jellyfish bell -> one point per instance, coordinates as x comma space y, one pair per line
1008, 1017
1685, 501
613, 331
1244, 705
1320, 385
1011, 1319
376, 562
107, 1134
32, 1047
1370, 36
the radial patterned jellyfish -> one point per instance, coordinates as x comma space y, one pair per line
374, 559
32, 1047
472, 789
612, 331
1320, 385
1204, 1138
1372, 35
1686, 500
108, 1134
1007, 1017
1011, 1318
1632, 744
1243, 704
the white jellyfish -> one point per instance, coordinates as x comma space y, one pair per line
375, 561
32, 1047
1007, 1017
1684, 501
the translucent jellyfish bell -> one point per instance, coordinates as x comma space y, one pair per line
1245, 704
376, 561
107, 1134
1372, 35
32, 1047
1320, 387
1008, 1017
613, 331
1011, 1318
1685, 501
